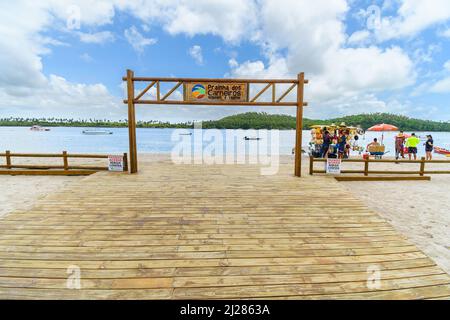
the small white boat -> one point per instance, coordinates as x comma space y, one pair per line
97, 132
38, 128
252, 138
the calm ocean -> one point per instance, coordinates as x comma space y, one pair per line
21, 139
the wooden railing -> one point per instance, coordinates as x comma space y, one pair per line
366, 171
51, 169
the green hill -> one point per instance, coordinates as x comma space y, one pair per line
249, 120
254, 120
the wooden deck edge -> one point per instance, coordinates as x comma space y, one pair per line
402, 178
47, 172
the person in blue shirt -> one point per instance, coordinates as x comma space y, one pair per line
342, 144
326, 143
429, 146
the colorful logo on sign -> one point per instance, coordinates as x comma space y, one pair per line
198, 91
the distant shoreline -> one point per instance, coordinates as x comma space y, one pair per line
190, 128
249, 120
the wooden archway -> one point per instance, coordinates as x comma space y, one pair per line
239, 97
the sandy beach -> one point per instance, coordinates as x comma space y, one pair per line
418, 210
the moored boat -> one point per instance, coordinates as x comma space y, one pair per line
97, 132
442, 151
251, 139
38, 128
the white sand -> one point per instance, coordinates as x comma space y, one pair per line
418, 210
21, 192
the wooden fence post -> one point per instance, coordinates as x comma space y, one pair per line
299, 125
422, 167
131, 122
8, 159
311, 165
125, 162
66, 161
366, 167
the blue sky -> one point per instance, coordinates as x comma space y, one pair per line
66, 58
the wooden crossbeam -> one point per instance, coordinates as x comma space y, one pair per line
171, 91
145, 90
220, 80
286, 93
218, 103
261, 92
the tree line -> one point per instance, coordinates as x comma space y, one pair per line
249, 120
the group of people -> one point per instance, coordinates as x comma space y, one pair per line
337, 144
410, 146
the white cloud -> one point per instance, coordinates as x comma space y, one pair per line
447, 65
24, 88
445, 33
412, 17
442, 86
86, 57
319, 49
98, 37
233, 63
294, 35
359, 37
196, 53
59, 97
137, 40
230, 19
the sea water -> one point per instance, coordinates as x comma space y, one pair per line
22, 139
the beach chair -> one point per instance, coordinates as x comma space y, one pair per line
377, 151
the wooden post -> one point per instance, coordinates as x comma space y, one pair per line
66, 161
131, 122
8, 159
422, 167
311, 165
125, 162
366, 167
299, 127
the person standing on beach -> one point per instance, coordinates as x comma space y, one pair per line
326, 143
412, 143
429, 146
342, 144
400, 145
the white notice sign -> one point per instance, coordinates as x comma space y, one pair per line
333, 166
115, 163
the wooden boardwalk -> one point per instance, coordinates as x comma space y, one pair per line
209, 232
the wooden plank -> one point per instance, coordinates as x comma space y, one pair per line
261, 92
286, 93
224, 80
148, 87
47, 172
240, 236
387, 178
216, 103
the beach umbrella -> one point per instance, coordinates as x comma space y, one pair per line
382, 128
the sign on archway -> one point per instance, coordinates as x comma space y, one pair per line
218, 92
